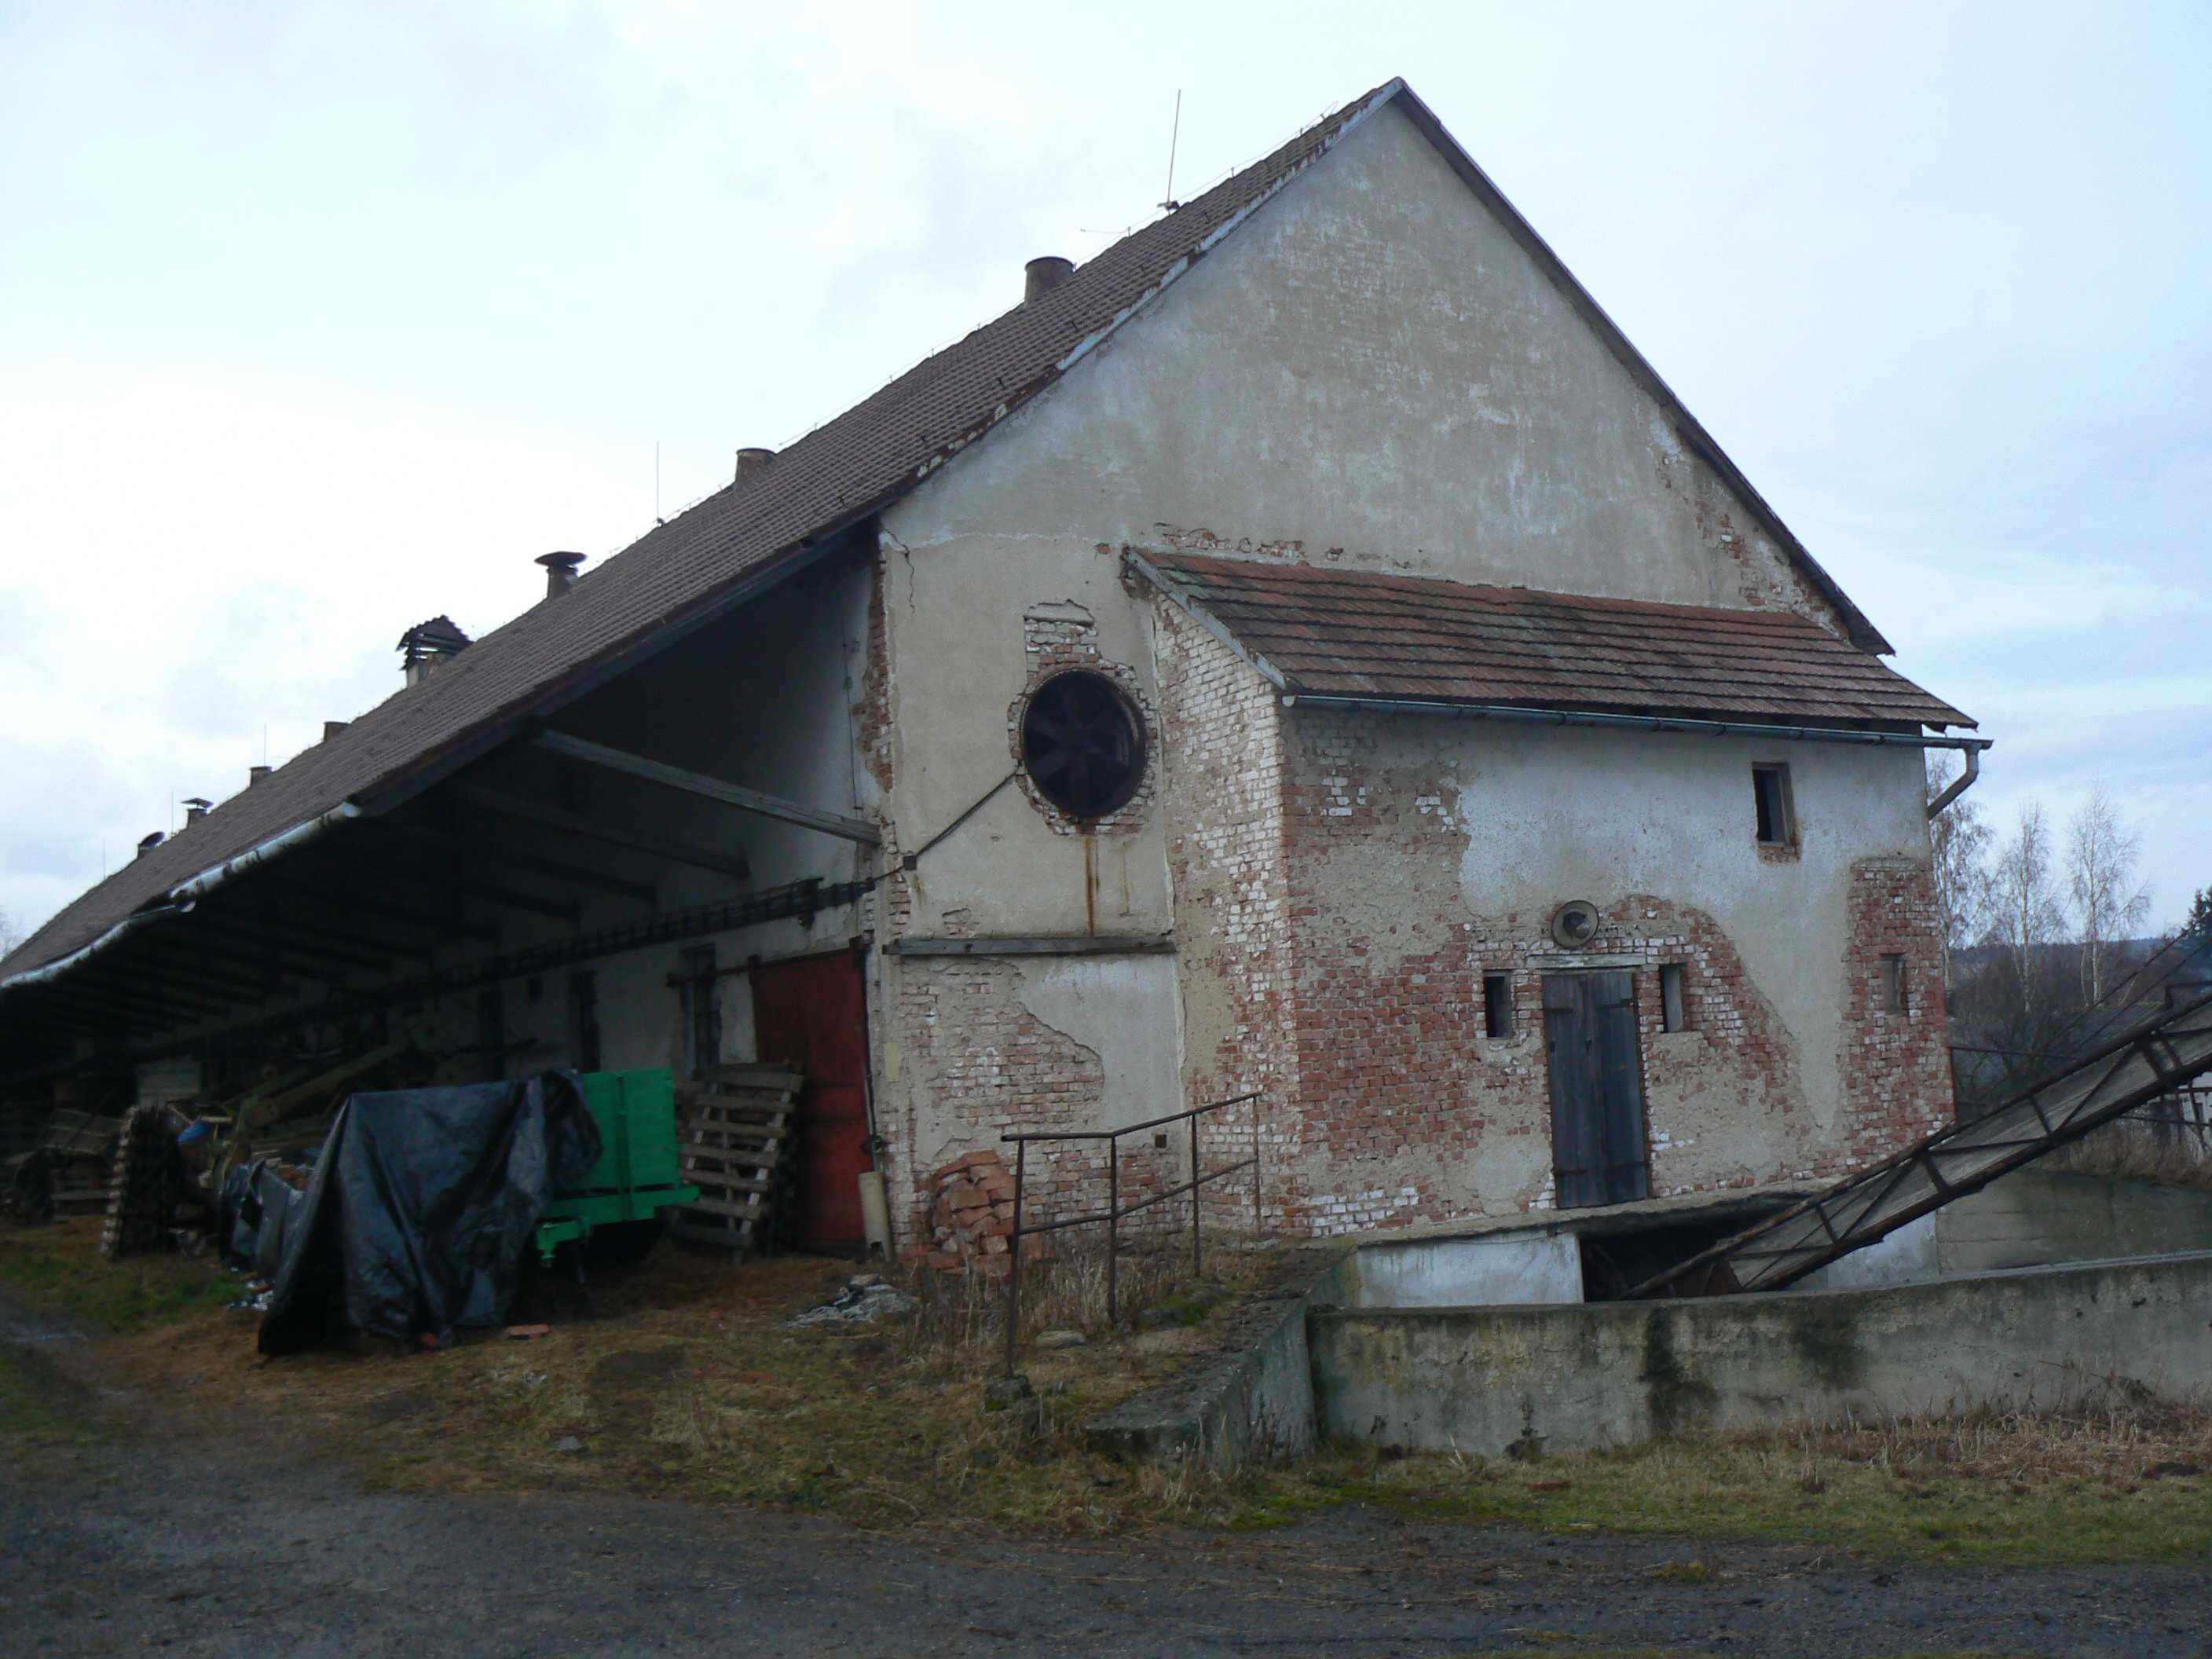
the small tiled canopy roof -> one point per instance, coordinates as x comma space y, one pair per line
1369, 634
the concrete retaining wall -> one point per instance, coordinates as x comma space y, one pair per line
1517, 1267
1615, 1374
1253, 1402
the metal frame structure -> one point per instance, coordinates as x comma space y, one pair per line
1114, 1214
2171, 1049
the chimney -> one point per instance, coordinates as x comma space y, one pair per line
1041, 276
149, 843
331, 728
254, 775
560, 571
425, 647
196, 808
750, 461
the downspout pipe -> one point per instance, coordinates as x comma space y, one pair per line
1958, 787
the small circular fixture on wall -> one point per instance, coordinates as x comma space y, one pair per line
1574, 924
1083, 744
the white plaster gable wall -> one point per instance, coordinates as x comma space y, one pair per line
1372, 363
954, 615
1554, 813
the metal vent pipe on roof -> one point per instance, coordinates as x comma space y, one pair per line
751, 460
196, 808
148, 843
560, 571
1041, 276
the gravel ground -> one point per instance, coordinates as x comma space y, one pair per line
134, 1543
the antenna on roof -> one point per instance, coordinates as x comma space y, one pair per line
1174, 133
657, 518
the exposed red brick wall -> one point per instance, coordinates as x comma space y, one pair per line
1407, 1111
1896, 1066
984, 1065
1224, 804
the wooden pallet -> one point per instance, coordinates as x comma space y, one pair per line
736, 1125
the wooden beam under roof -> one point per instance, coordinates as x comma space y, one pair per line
714, 789
668, 848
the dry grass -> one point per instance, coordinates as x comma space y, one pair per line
683, 1380
2132, 1151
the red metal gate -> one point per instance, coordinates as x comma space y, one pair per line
812, 1013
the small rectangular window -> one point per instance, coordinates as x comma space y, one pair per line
1892, 984
583, 1018
1770, 794
1497, 1007
1672, 1015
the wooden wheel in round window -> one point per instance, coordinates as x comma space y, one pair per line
1083, 744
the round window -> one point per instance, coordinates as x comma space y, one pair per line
1083, 742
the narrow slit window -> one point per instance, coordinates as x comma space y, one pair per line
1672, 1015
1770, 792
702, 1009
1497, 1007
1892, 984
583, 1018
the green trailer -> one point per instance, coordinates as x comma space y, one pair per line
640, 1172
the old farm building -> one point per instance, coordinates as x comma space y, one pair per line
1303, 651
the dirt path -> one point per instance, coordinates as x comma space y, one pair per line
179, 1543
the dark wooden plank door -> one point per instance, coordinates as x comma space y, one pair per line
812, 1013
1598, 1152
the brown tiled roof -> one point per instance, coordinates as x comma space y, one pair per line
857, 463
1371, 634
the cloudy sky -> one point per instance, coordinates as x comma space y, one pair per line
319, 319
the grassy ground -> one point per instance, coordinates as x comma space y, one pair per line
58, 1267
680, 1379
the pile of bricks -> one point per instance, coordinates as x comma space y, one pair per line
971, 1215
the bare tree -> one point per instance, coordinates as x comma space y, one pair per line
2026, 913
1959, 843
2109, 903
9, 938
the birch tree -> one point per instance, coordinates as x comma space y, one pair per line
2026, 915
2110, 905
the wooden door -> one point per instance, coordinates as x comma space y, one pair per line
1598, 1151
812, 1013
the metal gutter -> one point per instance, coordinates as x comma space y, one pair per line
60, 965
186, 893
1972, 746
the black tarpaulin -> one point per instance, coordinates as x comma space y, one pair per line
422, 1204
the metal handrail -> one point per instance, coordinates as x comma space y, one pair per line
1114, 1214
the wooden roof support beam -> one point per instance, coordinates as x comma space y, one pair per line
667, 848
714, 789
529, 863
383, 909
284, 938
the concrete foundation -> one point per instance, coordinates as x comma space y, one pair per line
1481, 1379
